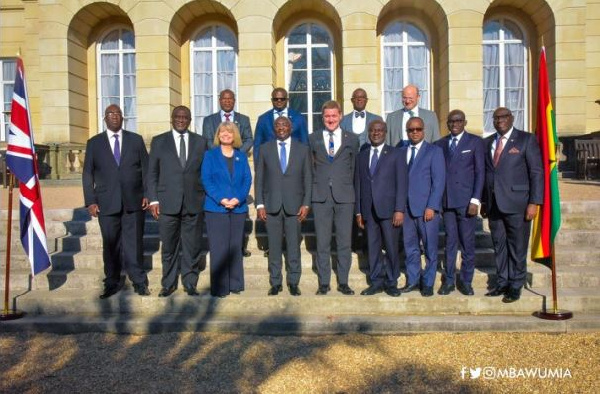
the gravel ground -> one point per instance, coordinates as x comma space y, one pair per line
231, 363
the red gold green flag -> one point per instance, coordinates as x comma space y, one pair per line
547, 222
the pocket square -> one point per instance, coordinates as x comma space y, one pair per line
466, 151
514, 150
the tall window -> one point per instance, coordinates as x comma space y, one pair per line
405, 61
116, 58
214, 68
9, 70
504, 72
309, 71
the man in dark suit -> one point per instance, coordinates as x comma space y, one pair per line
333, 152
396, 121
424, 164
227, 114
116, 162
264, 131
465, 173
514, 188
359, 119
283, 185
380, 203
177, 197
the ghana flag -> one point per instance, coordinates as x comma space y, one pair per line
547, 222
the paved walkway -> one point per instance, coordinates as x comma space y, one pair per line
69, 194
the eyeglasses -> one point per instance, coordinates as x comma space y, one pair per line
414, 130
279, 99
112, 113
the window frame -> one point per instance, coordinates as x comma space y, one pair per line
4, 127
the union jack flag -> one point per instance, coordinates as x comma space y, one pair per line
20, 158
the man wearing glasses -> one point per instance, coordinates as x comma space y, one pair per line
426, 177
265, 132
358, 120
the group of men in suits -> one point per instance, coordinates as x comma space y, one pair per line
389, 175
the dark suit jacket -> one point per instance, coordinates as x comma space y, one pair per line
265, 132
385, 190
289, 190
170, 184
211, 122
394, 126
519, 178
338, 175
426, 179
110, 186
220, 183
465, 170
363, 137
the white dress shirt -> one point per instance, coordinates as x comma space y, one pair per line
337, 140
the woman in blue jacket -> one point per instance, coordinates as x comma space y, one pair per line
226, 177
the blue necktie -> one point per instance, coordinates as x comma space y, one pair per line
453, 146
117, 149
283, 157
412, 157
374, 160
331, 146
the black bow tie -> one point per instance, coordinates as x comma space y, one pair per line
360, 114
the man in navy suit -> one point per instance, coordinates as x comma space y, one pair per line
359, 119
283, 187
115, 165
333, 152
177, 199
514, 187
265, 132
465, 173
227, 114
380, 202
424, 164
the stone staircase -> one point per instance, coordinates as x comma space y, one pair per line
65, 297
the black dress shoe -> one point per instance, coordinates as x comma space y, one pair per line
511, 295
274, 290
408, 288
465, 289
323, 289
427, 291
446, 289
496, 292
294, 290
109, 291
266, 254
141, 289
393, 291
191, 291
219, 296
371, 290
236, 292
345, 289
165, 292
246, 253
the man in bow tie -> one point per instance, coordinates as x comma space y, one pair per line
227, 114
396, 121
265, 132
358, 120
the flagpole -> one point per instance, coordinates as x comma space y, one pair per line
6, 314
555, 314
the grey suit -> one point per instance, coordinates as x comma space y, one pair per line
363, 138
282, 195
180, 194
394, 126
333, 202
211, 122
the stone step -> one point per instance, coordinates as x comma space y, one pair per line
579, 222
258, 278
577, 238
306, 325
256, 303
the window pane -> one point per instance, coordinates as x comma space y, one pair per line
319, 35
298, 82
321, 58
298, 35
321, 81
299, 102
512, 31
318, 100
297, 58
226, 61
225, 38
393, 33
128, 40
9, 70
203, 39
318, 123
414, 34
491, 30
111, 41
129, 63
